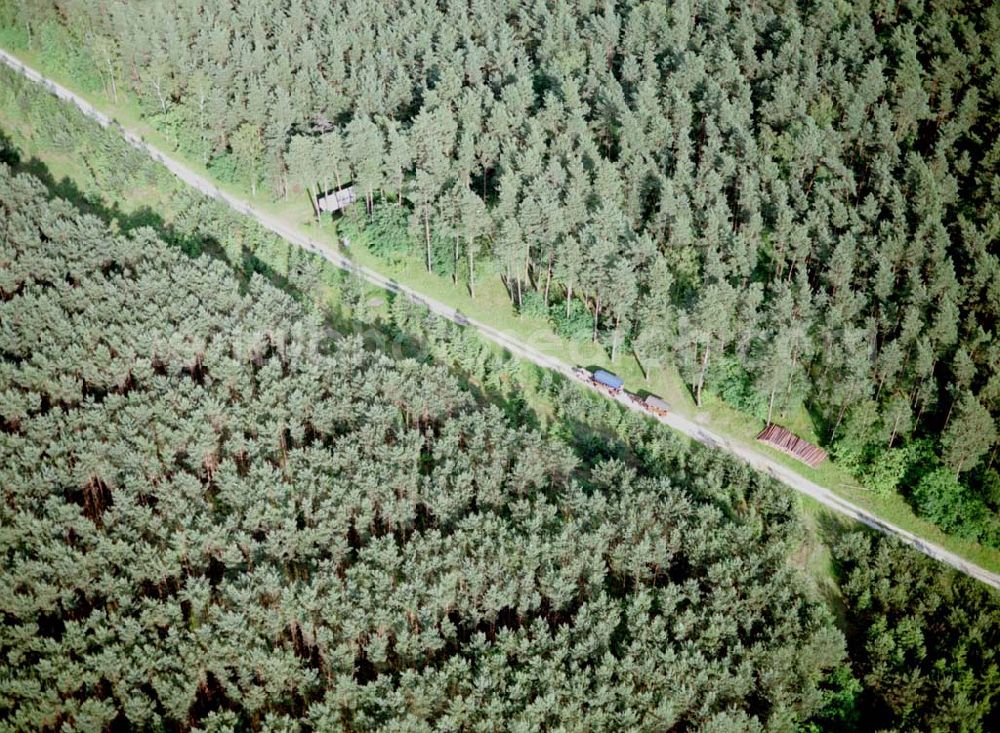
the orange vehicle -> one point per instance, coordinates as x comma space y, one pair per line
656, 405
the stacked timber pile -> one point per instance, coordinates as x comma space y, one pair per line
787, 442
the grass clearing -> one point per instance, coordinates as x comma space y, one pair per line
814, 557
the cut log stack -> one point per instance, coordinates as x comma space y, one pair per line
787, 442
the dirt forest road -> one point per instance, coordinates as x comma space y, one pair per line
522, 350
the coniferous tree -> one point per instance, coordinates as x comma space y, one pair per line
850, 158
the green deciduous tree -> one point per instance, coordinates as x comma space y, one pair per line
248, 150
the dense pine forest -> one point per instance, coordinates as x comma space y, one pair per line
795, 202
212, 519
243, 491
215, 518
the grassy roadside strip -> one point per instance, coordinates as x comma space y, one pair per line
492, 307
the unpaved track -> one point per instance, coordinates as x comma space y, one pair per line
704, 435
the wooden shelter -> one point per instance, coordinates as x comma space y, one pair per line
338, 200
787, 442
